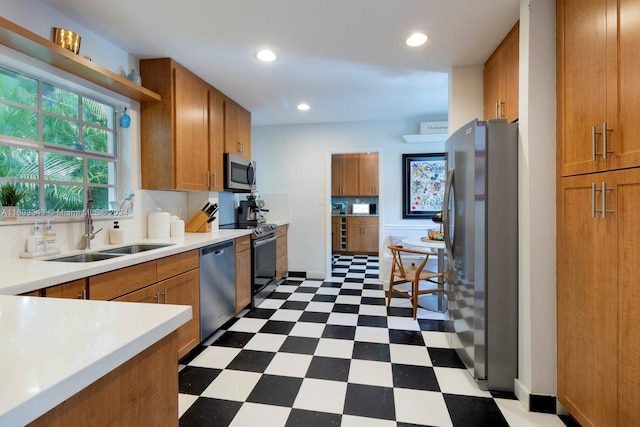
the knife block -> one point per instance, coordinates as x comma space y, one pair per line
198, 223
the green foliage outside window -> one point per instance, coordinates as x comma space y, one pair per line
55, 145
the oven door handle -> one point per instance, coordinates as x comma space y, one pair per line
258, 243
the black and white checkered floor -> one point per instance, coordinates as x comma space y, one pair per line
328, 353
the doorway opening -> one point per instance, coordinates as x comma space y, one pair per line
355, 204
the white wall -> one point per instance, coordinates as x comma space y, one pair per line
296, 159
465, 95
537, 290
39, 19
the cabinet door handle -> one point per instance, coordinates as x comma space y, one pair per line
497, 110
604, 192
604, 140
83, 295
593, 198
593, 143
166, 292
215, 180
501, 102
208, 178
603, 200
157, 297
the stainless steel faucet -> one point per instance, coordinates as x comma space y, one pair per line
89, 234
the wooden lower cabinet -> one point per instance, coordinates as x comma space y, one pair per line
243, 273
184, 289
170, 280
282, 263
76, 289
599, 297
362, 234
142, 391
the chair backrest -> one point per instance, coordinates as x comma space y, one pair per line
398, 266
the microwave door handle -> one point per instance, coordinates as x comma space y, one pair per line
251, 174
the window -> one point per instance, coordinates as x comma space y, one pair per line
55, 144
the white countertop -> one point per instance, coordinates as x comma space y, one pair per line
26, 275
52, 348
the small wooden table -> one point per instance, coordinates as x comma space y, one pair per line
440, 247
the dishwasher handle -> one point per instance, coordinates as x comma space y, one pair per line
217, 249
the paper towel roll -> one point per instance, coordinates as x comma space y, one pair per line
158, 225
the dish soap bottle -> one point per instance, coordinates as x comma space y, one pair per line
35, 243
49, 237
116, 235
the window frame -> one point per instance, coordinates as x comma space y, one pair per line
43, 148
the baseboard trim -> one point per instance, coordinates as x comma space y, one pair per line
300, 274
542, 403
535, 402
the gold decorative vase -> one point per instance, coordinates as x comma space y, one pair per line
67, 39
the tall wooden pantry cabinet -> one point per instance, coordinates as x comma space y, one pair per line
598, 193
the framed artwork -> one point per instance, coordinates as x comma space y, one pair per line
424, 177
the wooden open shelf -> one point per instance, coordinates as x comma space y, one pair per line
31, 44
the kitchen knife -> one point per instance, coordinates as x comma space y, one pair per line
204, 209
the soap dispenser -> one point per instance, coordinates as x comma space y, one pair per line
116, 235
35, 243
49, 237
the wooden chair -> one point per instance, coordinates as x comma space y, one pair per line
404, 270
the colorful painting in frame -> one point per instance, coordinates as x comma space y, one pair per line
424, 177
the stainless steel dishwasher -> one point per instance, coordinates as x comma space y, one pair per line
217, 286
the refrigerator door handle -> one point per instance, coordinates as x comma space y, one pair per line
446, 215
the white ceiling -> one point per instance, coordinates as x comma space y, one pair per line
345, 58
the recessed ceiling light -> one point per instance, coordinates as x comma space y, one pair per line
416, 39
303, 107
266, 55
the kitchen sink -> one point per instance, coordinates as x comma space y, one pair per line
133, 249
109, 253
87, 257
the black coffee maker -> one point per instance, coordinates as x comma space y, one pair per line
251, 212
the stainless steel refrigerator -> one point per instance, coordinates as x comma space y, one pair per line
481, 236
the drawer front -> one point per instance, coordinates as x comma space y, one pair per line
243, 243
74, 290
361, 221
176, 264
149, 294
107, 286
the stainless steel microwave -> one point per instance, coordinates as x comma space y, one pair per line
239, 174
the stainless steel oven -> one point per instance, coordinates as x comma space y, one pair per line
263, 262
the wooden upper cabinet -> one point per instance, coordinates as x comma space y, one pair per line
191, 163
237, 129
598, 86
216, 140
345, 174
174, 132
501, 79
368, 174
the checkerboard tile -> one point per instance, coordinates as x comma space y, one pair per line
330, 353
